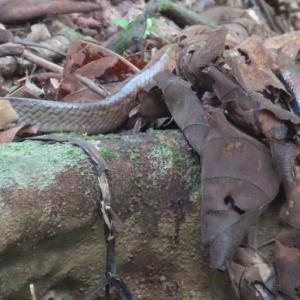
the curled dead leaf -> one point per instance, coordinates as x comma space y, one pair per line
8, 135
238, 176
93, 62
287, 261
7, 113
252, 276
198, 46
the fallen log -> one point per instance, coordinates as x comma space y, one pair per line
50, 235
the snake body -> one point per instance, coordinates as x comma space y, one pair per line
98, 117
291, 78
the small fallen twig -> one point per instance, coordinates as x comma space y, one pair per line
13, 10
10, 49
29, 44
32, 292
41, 76
42, 62
92, 86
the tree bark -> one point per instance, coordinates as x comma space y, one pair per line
50, 234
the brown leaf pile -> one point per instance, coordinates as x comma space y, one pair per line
241, 170
234, 93
238, 177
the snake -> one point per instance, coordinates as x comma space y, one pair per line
101, 116
291, 78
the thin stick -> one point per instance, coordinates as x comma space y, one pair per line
32, 292
42, 76
29, 44
42, 62
92, 86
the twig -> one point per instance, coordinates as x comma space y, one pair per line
32, 292
29, 44
15, 11
42, 62
10, 49
42, 76
92, 86
267, 243
182, 15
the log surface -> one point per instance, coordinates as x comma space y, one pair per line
50, 234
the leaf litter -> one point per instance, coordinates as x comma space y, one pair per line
233, 89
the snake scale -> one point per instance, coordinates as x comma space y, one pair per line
98, 117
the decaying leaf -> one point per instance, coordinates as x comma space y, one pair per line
95, 63
238, 177
287, 248
240, 29
287, 260
199, 46
255, 65
224, 14
7, 113
185, 108
252, 276
239, 181
246, 106
8, 135
287, 43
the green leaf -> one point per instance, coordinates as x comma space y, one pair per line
149, 26
121, 22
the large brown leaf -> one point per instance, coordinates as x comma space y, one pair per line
239, 181
238, 177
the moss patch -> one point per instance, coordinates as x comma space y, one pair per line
32, 163
161, 158
107, 154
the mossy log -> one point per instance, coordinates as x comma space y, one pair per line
51, 236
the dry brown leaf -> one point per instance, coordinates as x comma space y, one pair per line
198, 46
238, 177
8, 135
7, 113
251, 63
287, 249
224, 14
287, 260
245, 106
95, 63
252, 276
287, 43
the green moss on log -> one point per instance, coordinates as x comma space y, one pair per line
35, 164
107, 154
